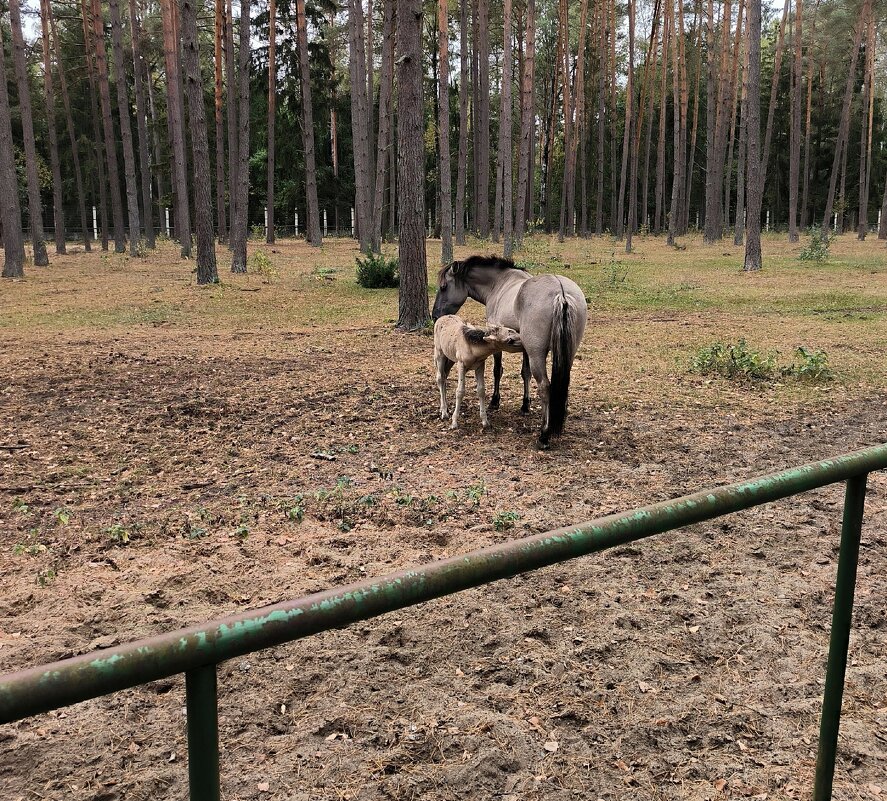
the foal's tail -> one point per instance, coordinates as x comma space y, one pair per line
561, 362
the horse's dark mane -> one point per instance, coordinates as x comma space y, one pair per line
473, 334
460, 269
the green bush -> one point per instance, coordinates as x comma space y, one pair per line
377, 272
260, 264
817, 248
733, 361
741, 362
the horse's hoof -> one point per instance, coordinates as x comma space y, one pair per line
494, 403
525, 407
543, 443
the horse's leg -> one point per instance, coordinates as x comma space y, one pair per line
442, 372
497, 377
537, 368
460, 393
525, 374
481, 395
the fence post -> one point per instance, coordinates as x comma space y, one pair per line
845, 584
201, 689
297, 224
95, 224
325, 231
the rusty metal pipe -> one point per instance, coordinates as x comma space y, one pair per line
39, 689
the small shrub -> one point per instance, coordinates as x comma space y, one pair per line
817, 249
62, 515
257, 232
505, 520
118, 534
377, 272
812, 366
733, 361
260, 264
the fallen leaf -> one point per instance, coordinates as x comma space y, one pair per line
551, 746
693, 629
263, 787
742, 745
720, 784
621, 765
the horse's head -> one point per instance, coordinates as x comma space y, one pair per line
452, 290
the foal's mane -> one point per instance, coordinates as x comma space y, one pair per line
460, 269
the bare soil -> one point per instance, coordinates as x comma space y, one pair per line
159, 471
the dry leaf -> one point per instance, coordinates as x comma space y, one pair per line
742, 745
551, 746
621, 765
263, 787
720, 784
693, 629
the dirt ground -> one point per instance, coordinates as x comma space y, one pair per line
171, 454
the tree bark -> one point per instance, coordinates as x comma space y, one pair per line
360, 134
49, 95
795, 120
155, 142
240, 222
741, 181
687, 171
231, 116
207, 272
525, 165
313, 223
844, 125
13, 241
98, 142
754, 184
147, 214
629, 124
72, 136
35, 206
774, 86
577, 114
443, 130
218, 26
462, 159
413, 295
865, 136
384, 137
506, 151
679, 127
659, 193
602, 116
805, 206
129, 161
176, 125
371, 95
482, 136
272, 115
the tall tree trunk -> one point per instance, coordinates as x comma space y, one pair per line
711, 106
58, 211
629, 123
313, 222
844, 125
602, 117
413, 295
648, 145
360, 135
754, 184
795, 121
805, 206
35, 206
614, 139
461, 161
231, 116
525, 164
176, 124
13, 241
240, 223
688, 170
384, 138
155, 141
842, 195
129, 160
147, 215
98, 141
482, 135
679, 128
577, 114
207, 272
371, 97
272, 114
506, 151
218, 67
865, 135
774, 86
741, 181
659, 193
443, 130
882, 228
734, 105
72, 136
101, 66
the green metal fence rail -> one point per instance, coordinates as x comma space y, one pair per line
196, 651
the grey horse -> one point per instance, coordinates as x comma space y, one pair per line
549, 311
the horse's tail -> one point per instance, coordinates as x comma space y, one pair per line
561, 362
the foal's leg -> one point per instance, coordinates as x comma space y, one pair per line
497, 377
537, 368
460, 393
525, 375
442, 371
481, 394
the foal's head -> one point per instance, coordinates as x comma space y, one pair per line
503, 338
